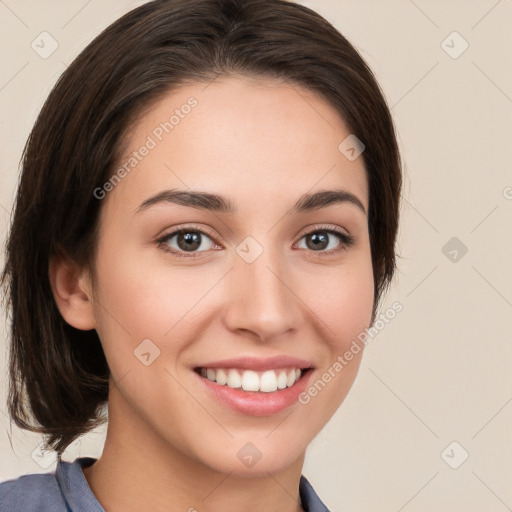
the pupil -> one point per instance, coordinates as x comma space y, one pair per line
319, 240
189, 241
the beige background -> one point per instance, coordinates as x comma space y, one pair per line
441, 370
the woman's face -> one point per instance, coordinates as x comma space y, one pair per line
250, 294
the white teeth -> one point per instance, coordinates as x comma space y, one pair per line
249, 380
222, 377
268, 381
281, 380
234, 380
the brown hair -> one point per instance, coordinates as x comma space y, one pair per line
57, 373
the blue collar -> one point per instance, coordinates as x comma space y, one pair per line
79, 496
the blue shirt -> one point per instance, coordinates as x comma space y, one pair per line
67, 490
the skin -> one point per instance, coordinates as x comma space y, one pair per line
263, 144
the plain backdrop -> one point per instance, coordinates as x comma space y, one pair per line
427, 425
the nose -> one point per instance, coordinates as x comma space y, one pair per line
261, 297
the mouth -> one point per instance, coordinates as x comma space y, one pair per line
254, 386
252, 381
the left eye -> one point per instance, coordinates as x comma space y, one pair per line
318, 241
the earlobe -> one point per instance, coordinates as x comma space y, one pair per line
72, 293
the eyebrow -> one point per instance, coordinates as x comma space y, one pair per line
221, 204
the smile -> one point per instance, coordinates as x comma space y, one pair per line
255, 393
250, 380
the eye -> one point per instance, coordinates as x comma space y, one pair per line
320, 239
185, 240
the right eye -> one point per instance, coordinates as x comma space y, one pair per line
185, 240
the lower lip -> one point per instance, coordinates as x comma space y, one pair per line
257, 403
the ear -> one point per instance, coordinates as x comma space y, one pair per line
72, 291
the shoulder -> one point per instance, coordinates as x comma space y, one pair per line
63, 490
34, 492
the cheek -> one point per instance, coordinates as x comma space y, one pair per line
342, 298
139, 300
342, 301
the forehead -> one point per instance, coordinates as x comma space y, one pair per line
241, 137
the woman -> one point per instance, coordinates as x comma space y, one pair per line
205, 222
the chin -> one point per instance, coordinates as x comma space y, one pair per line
247, 459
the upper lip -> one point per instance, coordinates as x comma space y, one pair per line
259, 363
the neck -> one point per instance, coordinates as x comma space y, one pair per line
138, 470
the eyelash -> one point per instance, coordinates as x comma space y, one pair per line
347, 241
